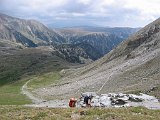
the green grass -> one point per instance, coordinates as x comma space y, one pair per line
44, 80
28, 62
10, 94
23, 113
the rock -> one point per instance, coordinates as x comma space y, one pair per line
112, 95
105, 101
125, 98
132, 99
121, 95
154, 89
95, 102
89, 94
118, 102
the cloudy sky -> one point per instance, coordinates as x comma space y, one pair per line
63, 13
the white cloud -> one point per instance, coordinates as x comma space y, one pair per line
147, 8
104, 12
78, 14
44, 4
86, 2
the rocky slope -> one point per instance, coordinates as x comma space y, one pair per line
29, 33
90, 42
103, 39
19, 33
133, 66
80, 52
27, 46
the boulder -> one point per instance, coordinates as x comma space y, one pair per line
118, 102
105, 101
89, 94
95, 102
132, 99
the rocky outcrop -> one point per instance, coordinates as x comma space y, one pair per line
103, 39
81, 52
120, 100
100, 41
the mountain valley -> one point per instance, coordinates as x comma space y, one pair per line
38, 49
132, 66
44, 67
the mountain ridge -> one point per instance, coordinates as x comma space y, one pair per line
133, 66
31, 33
103, 39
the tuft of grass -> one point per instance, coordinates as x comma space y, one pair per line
21, 113
39, 115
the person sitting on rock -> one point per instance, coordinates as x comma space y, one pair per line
87, 100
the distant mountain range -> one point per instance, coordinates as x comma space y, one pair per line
132, 67
87, 43
102, 39
28, 47
29, 33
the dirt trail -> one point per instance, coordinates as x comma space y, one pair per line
96, 79
40, 102
150, 102
30, 95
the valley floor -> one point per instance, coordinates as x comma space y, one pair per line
38, 101
115, 76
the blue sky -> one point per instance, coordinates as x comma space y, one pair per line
65, 13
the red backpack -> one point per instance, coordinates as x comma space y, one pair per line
72, 102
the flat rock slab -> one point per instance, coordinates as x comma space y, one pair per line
121, 100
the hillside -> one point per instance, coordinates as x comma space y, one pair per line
16, 64
27, 48
103, 39
78, 53
133, 66
18, 112
90, 45
29, 33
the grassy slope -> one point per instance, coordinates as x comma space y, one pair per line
44, 80
20, 65
10, 94
23, 113
27, 62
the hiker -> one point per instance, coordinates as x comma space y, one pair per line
72, 102
87, 100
